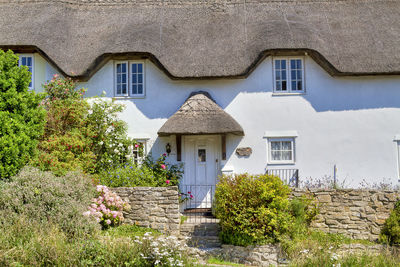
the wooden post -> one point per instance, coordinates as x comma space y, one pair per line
178, 147
223, 146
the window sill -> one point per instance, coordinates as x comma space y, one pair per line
287, 94
281, 163
127, 97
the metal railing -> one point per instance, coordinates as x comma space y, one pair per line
197, 203
289, 176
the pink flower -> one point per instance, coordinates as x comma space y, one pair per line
164, 155
167, 181
136, 145
55, 75
191, 196
189, 192
108, 221
163, 166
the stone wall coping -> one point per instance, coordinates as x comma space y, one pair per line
317, 190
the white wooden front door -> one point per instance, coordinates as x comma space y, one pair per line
201, 158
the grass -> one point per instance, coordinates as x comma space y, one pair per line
317, 248
131, 231
183, 219
218, 261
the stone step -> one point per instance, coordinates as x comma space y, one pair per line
204, 242
209, 229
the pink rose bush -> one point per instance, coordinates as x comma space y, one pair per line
107, 208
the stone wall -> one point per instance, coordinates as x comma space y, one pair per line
359, 214
265, 255
155, 207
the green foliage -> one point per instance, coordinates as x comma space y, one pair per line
131, 231
252, 209
390, 232
80, 134
110, 142
21, 117
155, 173
42, 198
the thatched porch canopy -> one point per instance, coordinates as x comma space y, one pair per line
200, 115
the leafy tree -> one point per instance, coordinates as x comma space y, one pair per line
22, 118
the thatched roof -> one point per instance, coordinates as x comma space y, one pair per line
200, 115
207, 38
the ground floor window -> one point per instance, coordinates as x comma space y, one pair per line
139, 151
281, 150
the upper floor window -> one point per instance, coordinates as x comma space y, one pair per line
27, 60
288, 75
129, 79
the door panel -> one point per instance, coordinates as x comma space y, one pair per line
201, 169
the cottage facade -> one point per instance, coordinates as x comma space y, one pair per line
233, 86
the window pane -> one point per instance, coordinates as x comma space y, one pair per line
299, 64
276, 155
140, 89
299, 76
284, 86
201, 155
277, 64
278, 86
29, 61
277, 75
299, 85
293, 75
140, 68
123, 86
283, 64
275, 145
118, 68
118, 89
134, 89
286, 155
134, 68
23, 61
286, 145
283, 75
140, 78
294, 85
292, 64
123, 67
118, 78
134, 78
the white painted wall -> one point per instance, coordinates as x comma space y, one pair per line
350, 122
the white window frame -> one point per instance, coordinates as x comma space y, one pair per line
281, 139
289, 76
33, 68
139, 159
129, 79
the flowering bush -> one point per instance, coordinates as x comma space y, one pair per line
166, 174
110, 142
151, 173
185, 196
80, 134
161, 250
107, 208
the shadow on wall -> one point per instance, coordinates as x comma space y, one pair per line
321, 100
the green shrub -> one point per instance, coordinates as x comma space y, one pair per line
44, 198
21, 118
252, 209
390, 232
80, 134
155, 173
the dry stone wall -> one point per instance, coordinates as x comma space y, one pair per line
359, 214
155, 207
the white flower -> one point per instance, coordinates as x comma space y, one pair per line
101, 143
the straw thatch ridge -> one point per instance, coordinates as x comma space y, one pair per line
193, 39
200, 115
